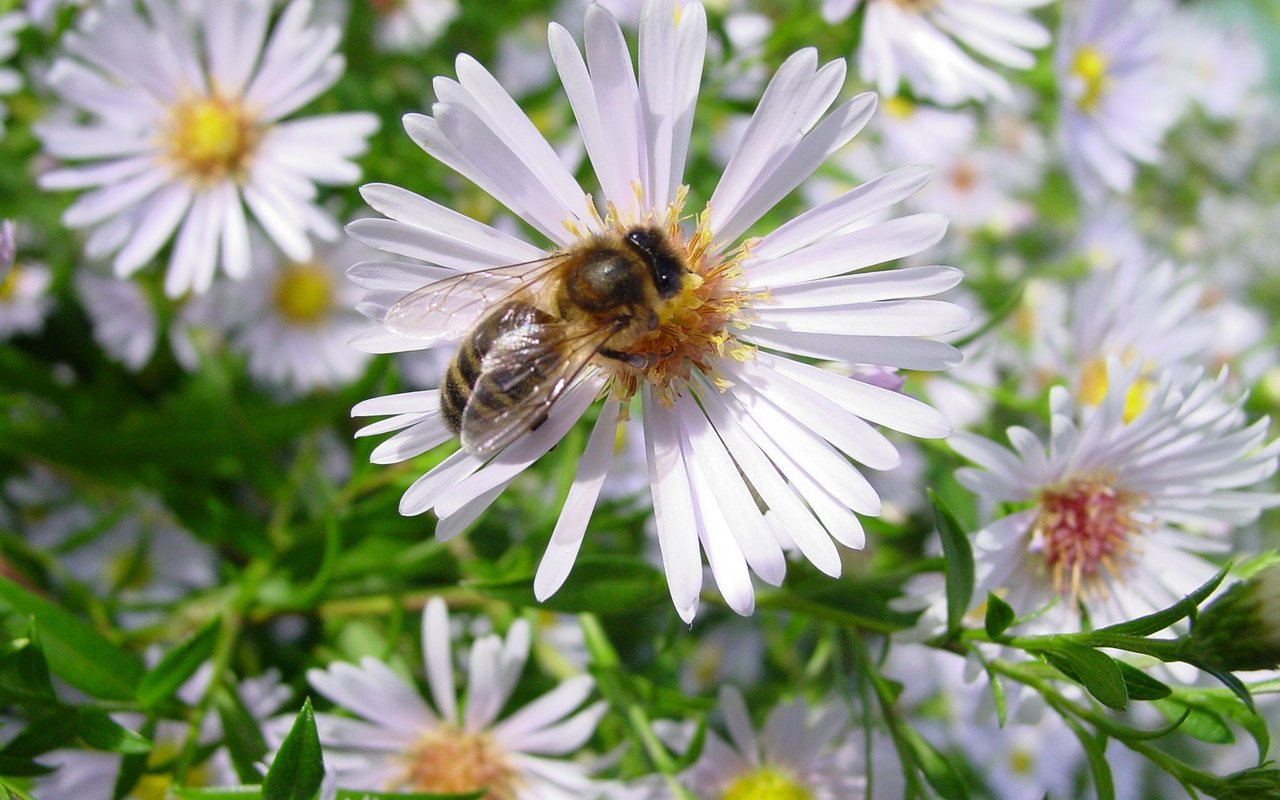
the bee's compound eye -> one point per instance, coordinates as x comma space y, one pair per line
643, 239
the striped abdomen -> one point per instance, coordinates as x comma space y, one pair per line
464, 394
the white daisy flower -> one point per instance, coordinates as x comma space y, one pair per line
126, 324
91, 774
728, 414
409, 25
1117, 504
1221, 67
1117, 90
187, 128
401, 743
920, 41
10, 79
296, 319
1150, 315
24, 288
796, 754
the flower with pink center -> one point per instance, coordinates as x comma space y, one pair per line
1120, 506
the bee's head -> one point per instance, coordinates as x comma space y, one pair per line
668, 269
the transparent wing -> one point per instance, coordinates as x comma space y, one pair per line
521, 377
447, 308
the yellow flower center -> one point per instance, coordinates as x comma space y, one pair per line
1021, 761
766, 783
304, 293
899, 107
450, 761
1090, 66
1094, 387
211, 138
693, 326
9, 284
155, 786
1085, 527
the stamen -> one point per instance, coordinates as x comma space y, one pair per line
211, 138
451, 761
303, 293
1084, 524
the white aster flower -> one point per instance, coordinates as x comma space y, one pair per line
797, 754
10, 79
1117, 91
24, 288
185, 127
296, 318
1117, 504
400, 743
408, 25
92, 774
1220, 67
728, 414
126, 323
920, 41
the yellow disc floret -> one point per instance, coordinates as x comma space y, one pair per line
451, 761
766, 783
304, 293
1090, 67
211, 138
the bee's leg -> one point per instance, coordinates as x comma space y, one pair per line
630, 359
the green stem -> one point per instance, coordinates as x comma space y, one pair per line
857, 648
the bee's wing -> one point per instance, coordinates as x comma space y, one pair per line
521, 377
449, 307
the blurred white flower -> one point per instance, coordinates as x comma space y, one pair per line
92, 774
180, 125
126, 322
920, 41
400, 743
1220, 68
410, 25
1118, 91
1120, 503
295, 318
24, 288
10, 79
798, 753
724, 421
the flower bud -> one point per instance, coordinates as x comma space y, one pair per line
1258, 783
1241, 629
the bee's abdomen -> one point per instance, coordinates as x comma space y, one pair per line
462, 385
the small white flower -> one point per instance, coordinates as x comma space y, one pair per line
91, 774
184, 127
1118, 503
10, 79
729, 413
296, 319
401, 743
126, 322
1117, 89
24, 287
920, 41
409, 25
1220, 67
797, 754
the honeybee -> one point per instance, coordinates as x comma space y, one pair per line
535, 326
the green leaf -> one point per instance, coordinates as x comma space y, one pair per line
937, 770
1140, 685
356, 794
1200, 722
298, 768
178, 665
52, 729
1246, 717
24, 674
1097, 672
999, 616
245, 742
217, 793
101, 732
958, 553
1154, 623
1095, 750
75, 651
21, 767
601, 585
